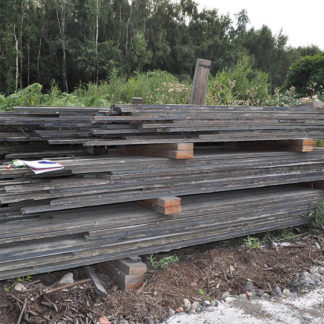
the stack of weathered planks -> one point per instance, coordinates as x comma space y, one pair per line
66, 239
111, 204
152, 124
93, 181
158, 124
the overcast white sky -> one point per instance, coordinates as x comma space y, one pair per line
301, 20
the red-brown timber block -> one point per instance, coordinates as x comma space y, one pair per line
172, 151
164, 205
123, 280
297, 145
164, 201
173, 210
170, 146
300, 145
130, 267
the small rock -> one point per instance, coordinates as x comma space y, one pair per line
305, 276
277, 291
206, 303
179, 310
104, 320
242, 297
67, 279
123, 321
249, 287
286, 291
259, 292
313, 269
171, 312
225, 295
214, 303
20, 287
199, 309
316, 277
265, 295
186, 305
318, 247
194, 306
321, 270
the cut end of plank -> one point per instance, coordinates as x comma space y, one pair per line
137, 101
127, 275
178, 151
164, 205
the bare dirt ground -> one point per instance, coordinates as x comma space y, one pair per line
203, 272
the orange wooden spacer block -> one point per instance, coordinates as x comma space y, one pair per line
164, 205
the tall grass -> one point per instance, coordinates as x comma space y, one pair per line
239, 85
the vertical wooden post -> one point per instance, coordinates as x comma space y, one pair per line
137, 101
200, 81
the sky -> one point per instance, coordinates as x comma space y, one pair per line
302, 21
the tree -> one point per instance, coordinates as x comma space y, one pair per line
307, 75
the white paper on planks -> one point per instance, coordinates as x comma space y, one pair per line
43, 166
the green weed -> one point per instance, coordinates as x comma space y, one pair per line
159, 264
252, 242
316, 216
28, 278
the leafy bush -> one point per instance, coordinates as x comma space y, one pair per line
153, 87
239, 85
307, 75
29, 96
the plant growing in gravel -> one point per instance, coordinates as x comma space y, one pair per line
317, 216
252, 242
162, 262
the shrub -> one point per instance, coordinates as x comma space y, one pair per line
239, 85
307, 75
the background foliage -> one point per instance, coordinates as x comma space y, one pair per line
87, 41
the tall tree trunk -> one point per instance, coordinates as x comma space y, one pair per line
96, 44
61, 24
39, 55
127, 27
17, 60
28, 63
21, 44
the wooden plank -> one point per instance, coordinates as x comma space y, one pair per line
137, 100
124, 281
200, 80
130, 267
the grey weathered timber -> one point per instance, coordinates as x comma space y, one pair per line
235, 185
108, 179
200, 81
118, 231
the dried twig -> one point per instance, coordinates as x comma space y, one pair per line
80, 282
141, 288
22, 311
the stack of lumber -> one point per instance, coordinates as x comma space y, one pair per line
149, 193
157, 124
66, 239
40, 124
102, 180
137, 124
